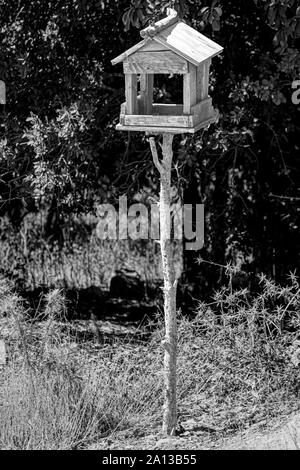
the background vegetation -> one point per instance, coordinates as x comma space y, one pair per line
63, 96
66, 387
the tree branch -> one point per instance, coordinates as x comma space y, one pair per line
155, 155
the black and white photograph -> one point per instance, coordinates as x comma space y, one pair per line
149, 228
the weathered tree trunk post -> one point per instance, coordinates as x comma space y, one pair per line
170, 284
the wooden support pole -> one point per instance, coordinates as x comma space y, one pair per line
131, 93
170, 284
146, 87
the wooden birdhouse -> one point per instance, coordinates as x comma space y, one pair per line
168, 47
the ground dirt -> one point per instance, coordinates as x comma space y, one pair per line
279, 434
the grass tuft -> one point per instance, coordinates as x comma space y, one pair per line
237, 364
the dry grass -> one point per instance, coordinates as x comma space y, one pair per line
237, 365
32, 260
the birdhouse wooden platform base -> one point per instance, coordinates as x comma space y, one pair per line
169, 118
169, 47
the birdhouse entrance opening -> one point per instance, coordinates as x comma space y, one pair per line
168, 88
160, 94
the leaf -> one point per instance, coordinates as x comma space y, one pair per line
216, 25
272, 15
203, 10
211, 17
126, 18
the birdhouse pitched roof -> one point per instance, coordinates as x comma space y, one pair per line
179, 38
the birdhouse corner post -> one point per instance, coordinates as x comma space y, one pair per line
170, 283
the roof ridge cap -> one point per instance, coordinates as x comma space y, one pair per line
160, 25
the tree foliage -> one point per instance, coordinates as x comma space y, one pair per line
58, 134
62, 103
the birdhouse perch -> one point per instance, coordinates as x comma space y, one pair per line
168, 47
